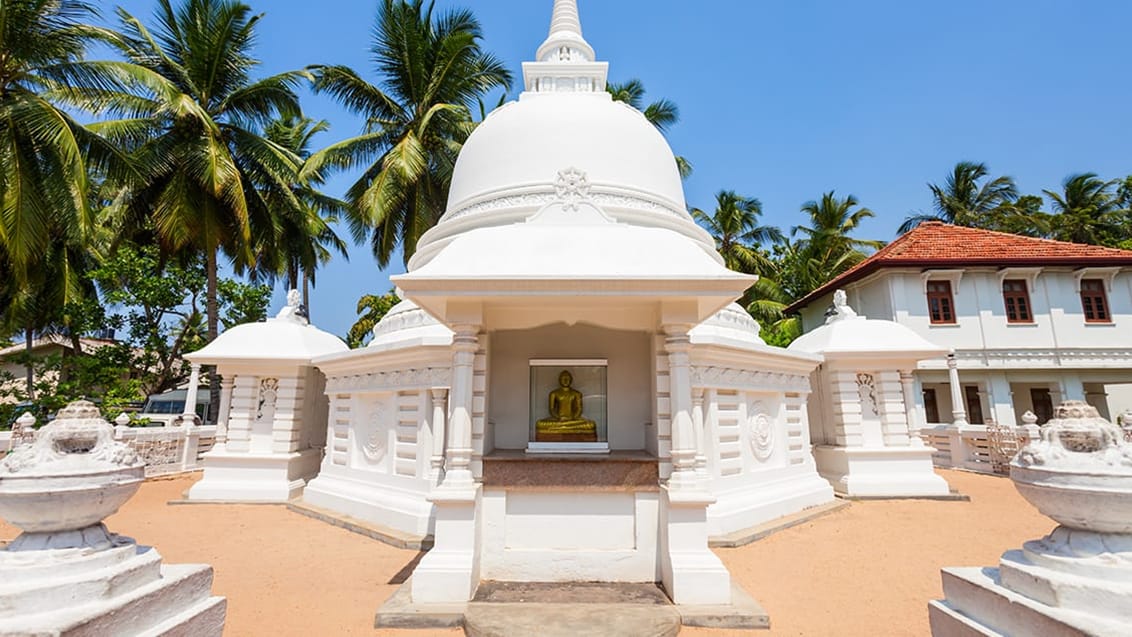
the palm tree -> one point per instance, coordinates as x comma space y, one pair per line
963, 201
662, 113
734, 224
827, 239
304, 238
433, 72
193, 128
193, 121
796, 268
1088, 210
371, 309
47, 224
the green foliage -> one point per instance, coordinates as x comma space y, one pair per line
371, 309
242, 302
965, 199
432, 72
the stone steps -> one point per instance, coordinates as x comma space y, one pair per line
205, 619
978, 605
75, 588
181, 587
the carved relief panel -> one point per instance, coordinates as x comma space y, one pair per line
371, 429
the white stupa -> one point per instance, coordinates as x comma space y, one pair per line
568, 391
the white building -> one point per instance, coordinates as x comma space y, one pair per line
1032, 322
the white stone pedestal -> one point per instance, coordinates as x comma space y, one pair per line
692, 574
124, 590
1069, 583
450, 573
892, 472
254, 477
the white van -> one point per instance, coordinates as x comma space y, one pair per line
163, 409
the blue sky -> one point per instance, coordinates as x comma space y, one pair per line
786, 99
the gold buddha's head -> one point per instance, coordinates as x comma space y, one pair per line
565, 379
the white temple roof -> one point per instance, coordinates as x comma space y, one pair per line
847, 335
287, 337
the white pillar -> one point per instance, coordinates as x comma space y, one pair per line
226, 383
912, 407
450, 572
439, 409
189, 413
699, 433
678, 345
458, 473
958, 411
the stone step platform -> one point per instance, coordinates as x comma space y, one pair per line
977, 605
180, 589
566, 609
204, 618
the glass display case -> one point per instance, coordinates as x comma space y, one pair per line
568, 405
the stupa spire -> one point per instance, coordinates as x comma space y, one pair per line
565, 17
565, 61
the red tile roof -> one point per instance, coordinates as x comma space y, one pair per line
938, 245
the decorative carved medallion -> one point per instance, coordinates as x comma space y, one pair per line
761, 433
572, 187
268, 392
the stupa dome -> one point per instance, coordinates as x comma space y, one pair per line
566, 141
407, 325
514, 150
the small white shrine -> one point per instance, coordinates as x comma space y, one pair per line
865, 419
272, 423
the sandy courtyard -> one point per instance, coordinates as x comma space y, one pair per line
868, 569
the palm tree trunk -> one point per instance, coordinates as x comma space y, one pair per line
29, 338
212, 309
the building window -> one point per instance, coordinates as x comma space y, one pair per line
941, 306
1093, 301
1017, 300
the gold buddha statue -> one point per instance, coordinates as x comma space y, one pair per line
566, 423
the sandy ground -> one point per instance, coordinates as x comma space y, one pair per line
869, 569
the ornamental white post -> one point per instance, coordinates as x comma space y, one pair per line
958, 411
678, 345
226, 383
912, 407
188, 417
439, 409
698, 432
458, 473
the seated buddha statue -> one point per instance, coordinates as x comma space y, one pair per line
566, 419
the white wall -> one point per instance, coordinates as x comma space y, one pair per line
629, 380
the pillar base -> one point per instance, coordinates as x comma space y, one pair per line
892, 472
690, 571
450, 573
255, 477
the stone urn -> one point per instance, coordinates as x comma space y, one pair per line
1079, 472
58, 489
